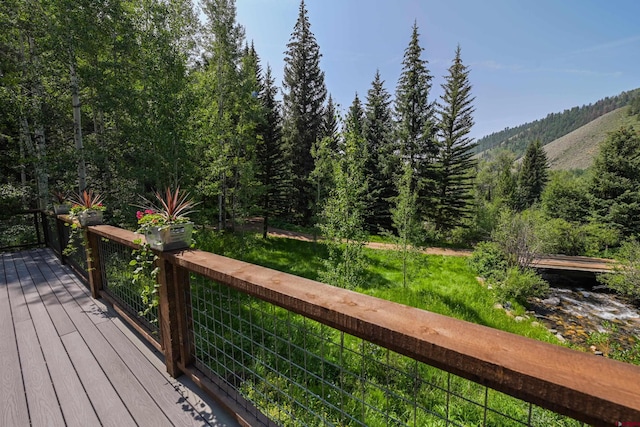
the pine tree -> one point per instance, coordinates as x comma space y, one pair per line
533, 176
303, 100
382, 161
354, 121
270, 156
455, 164
415, 118
615, 184
330, 126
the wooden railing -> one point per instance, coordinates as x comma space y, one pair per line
588, 388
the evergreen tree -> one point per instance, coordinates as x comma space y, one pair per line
533, 176
382, 160
330, 126
271, 168
415, 117
304, 93
615, 184
354, 121
455, 162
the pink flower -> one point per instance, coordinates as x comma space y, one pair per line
149, 211
139, 215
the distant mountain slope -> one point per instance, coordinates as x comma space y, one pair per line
577, 149
555, 125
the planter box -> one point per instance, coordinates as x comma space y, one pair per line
61, 209
171, 237
90, 217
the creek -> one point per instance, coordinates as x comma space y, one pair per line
578, 307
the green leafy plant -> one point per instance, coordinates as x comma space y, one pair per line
145, 276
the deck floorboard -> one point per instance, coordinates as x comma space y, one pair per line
67, 359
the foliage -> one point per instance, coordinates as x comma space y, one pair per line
415, 119
554, 125
304, 93
271, 170
343, 215
566, 197
516, 236
12, 198
145, 276
625, 278
520, 284
489, 261
615, 182
85, 200
170, 207
405, 220
455, 164
382, 162
533, 176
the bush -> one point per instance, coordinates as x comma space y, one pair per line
520, 285
625, 278
559, 236
488, 260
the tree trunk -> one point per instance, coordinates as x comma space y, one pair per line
77, 125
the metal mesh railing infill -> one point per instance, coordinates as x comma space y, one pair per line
299, 372
118, 281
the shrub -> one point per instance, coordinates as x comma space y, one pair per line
488, 260
520, 285
625, 278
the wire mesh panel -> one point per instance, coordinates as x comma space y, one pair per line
20, 230
51, 229
118, 282
299, 372
74, 250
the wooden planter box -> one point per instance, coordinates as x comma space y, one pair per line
171, 237
90, 217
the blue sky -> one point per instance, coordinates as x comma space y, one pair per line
528, 58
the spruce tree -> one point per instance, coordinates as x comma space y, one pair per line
382, 161
330, 128
271, 170
533, 176
304, 93
615, 184
455, 164
415, 121
354, 121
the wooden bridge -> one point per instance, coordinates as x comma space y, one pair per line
574, 263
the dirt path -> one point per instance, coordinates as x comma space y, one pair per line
276, 232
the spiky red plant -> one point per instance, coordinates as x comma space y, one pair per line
173, 205
87, 199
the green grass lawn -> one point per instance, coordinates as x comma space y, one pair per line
440, 284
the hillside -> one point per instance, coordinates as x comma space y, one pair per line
577, 149
555, 125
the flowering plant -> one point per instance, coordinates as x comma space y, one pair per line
172, 208
86, 200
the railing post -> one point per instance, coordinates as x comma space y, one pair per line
94, 266
44, 220
173, 280
61, 240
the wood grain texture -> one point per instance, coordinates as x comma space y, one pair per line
13, 404
106, 401
41, 396
174, 405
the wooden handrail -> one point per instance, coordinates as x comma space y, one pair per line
588, 388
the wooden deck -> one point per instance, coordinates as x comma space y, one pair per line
66, 359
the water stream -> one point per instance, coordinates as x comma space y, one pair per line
578, 307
